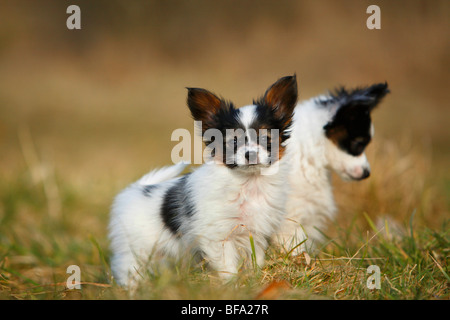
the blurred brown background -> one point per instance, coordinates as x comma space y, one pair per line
96, 107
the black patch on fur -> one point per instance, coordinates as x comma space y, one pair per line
177, 205
147, 190
350, 127
266, 119
227, 118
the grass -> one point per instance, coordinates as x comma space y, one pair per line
410, 269
37, 245
82, 114
397, 219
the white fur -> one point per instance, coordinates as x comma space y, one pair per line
163, 174
230, 205
311, 203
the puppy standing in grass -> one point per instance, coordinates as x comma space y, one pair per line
329, 133
213, 210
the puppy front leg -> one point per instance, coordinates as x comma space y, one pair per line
260, 256
292, 237
223, 257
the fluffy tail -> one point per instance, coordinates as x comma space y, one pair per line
163, 174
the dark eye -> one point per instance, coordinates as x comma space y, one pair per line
358, 145
235, 141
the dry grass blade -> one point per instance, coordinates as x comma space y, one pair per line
440, 267
365, 244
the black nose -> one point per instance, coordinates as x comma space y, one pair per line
251, 156
366, 174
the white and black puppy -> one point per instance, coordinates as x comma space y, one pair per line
213, 210
329, 133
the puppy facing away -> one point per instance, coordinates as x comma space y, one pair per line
213, 210
329, 133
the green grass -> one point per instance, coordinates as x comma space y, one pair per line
82, 114
36, 249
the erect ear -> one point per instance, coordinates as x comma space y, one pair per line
376, 92
365, 97
282, 96
203, 104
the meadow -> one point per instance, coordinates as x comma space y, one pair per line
85, 112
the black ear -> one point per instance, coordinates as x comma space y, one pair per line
282, 96
365, 97
376, 93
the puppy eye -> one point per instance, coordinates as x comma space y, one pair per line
358, 145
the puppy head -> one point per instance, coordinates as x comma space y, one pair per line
250, 137
351, 130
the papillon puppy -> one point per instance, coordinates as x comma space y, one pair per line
215, 210
329, 133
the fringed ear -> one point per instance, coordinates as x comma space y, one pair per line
282, 96
363, 97
377, 92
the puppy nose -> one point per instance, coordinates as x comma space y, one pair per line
251, 156
366, 173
